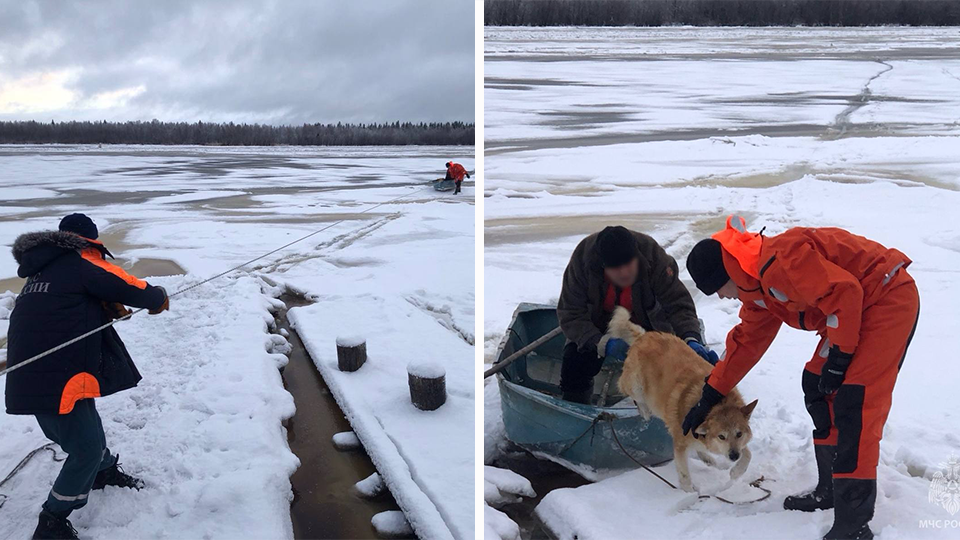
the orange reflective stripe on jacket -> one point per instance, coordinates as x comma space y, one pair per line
95, 256
818, 279
80, 386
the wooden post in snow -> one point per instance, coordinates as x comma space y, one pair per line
351, 353
428, 385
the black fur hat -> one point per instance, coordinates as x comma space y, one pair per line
705, 264
80, 224
617, 246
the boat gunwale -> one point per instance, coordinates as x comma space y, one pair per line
571, 409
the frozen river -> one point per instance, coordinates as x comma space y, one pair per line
669, 130
205, 427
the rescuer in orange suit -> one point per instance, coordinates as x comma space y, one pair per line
456, 172
857, 295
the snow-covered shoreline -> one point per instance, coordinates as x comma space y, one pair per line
202, 427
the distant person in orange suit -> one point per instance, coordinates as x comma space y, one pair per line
456, 172
858, 297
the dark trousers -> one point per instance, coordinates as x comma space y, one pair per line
458, 182
577, 371
80, 435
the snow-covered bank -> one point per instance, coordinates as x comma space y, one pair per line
414, 302
209, 209
668, 136
203, 428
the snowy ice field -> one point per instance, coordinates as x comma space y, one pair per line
668, 131
204, 426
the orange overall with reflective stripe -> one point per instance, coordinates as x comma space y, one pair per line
855, 293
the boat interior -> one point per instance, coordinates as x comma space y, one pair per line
540, 370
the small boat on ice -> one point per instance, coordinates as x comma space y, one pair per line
441, 184
580, 437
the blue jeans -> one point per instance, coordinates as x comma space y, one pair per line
80, 435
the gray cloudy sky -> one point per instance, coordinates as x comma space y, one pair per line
238, 60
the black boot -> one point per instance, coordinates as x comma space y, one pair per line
114, 476
855, 500
821, 498
54, 527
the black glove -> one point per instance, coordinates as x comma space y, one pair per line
468, 175
834, 370
164, 306
698, 413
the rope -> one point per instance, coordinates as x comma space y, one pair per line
610, 418
23, 463
49, 446
195, 285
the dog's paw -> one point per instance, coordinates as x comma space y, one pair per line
687, 485
704, 457
741, 466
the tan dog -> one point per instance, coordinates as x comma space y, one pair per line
664, 376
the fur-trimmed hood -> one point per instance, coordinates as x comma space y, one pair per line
33, 251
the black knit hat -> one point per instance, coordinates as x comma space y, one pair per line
617, 246
705, 264
80, 224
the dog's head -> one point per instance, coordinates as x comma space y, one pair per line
726, 431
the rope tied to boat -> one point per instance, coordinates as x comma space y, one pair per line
194, 286
610, 418
49, 446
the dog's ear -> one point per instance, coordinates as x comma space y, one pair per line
747, 409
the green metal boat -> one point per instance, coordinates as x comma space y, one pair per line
443, 185
607, 436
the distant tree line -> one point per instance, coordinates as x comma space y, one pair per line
230, 134
721, 12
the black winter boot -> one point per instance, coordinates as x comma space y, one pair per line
855, 500
821, 498
114, 476
54, 527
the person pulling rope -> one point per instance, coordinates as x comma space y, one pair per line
72, 287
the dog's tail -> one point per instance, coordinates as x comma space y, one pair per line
621, 327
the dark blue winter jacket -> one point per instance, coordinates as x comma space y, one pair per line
62, 299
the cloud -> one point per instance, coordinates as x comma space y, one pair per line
238, 60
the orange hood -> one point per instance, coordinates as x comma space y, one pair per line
741, 245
